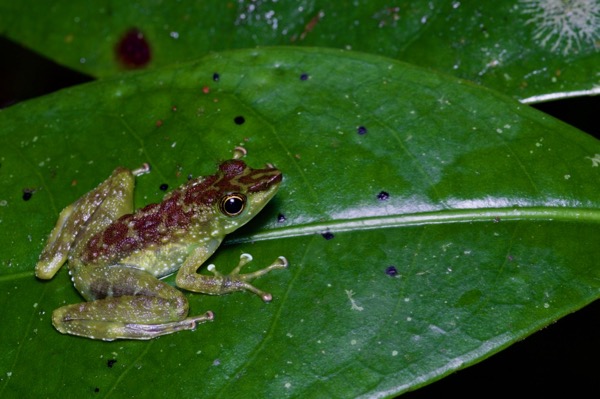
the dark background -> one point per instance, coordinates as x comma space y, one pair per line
562, 359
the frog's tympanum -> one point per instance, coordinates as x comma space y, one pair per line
116, 256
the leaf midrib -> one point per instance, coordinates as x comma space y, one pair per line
563, 214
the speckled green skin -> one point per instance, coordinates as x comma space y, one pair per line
116, 256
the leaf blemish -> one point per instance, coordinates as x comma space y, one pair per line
595, 160
239, 120
216, 77
133, 50
304, 76
391, 271
27, 194
328, 235
281, 218
383, 196
353, 304
564, 26
361, 130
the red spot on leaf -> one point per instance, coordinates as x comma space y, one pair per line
133, 50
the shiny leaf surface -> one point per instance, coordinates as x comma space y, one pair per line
429, 223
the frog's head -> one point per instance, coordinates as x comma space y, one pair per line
237, 192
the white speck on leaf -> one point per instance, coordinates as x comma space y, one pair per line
353, 302
595, 160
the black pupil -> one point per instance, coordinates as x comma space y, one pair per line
233, 205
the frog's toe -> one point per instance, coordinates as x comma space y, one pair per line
282, 261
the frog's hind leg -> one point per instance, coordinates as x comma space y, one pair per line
124, 303
86, 216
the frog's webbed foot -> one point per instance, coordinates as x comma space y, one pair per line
241, 281
219, 284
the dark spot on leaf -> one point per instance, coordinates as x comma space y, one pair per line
281, 218
27, 194
304, 76
328, 235
111, 362
239, 120
190, 177
164, 187
391, 271
361, 130
383, 196
96, 389
133, 50
216, 77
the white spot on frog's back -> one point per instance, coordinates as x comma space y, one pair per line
564, 26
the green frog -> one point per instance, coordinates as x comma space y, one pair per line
116, 256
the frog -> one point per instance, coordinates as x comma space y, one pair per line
117, 257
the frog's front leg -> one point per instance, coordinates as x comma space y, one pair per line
86, 216
124, 303
219, 284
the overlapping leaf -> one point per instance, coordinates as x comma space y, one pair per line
528, 49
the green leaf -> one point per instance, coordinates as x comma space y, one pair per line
487, 209
534, 50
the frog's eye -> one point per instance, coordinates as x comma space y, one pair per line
233, 204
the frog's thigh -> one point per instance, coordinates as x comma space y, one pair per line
124, 303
